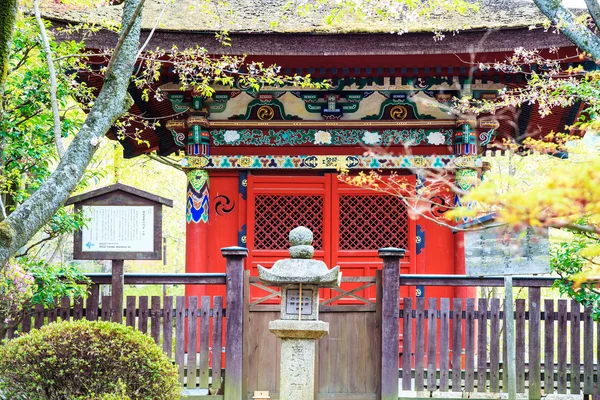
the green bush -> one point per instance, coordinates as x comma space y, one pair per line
86, 360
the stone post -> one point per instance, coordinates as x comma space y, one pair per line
300, 278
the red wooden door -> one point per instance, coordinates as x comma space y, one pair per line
277, 204
350, 224
363, 222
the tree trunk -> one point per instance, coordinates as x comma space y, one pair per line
112, 102
8, 17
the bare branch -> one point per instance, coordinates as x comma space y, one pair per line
164, 160
153, 29
60, 148
34, 245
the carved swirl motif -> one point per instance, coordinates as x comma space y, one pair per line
265, 113
178, 137
398, 112
486, 137
438, 206
223, 205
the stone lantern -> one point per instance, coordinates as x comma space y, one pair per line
300, 278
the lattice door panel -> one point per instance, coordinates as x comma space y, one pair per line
276, 215
371, 222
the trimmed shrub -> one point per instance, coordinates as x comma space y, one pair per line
86, 360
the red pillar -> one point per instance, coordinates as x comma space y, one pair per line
196, 232
197, 196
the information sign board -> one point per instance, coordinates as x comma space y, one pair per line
118, 228
502, 251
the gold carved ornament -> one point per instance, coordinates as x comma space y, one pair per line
398, 113
265, 113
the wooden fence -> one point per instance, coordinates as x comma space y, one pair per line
464, 349
558, 343
189, 330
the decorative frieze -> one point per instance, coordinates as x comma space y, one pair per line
331, 162
334, 137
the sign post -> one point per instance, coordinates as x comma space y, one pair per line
509, 317
500, 251
124, 223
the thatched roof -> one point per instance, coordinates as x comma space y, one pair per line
270, 16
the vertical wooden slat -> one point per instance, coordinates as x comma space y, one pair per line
26, 323
117, 280
130, 312
143, 314
431, 343
494, 345
246, 334
390, 326
456, 344
77, 308
562, 346
53, 313
535, 375
575, 347
378, 350
520, 344
204, 341
168, 326
548, 346
597, 382
419, 343
504, 352
470, 345
39, 316
106, 308
407, 337
91, 303
180, 336
234, 340
192, 341
588, 352
217, 341
155, 319
65, 308
444, 343
482, 344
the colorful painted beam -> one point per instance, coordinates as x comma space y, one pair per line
332, 162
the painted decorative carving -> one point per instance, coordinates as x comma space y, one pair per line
197, 206
322, 137
371, 138
231, 136
437, 138
331, 162
337, 137
398, 112
265, 113
223, 205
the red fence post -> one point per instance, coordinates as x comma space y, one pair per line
234, 346
390, 328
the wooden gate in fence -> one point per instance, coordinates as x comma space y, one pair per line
348, 358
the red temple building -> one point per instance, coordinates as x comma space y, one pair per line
260, 163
